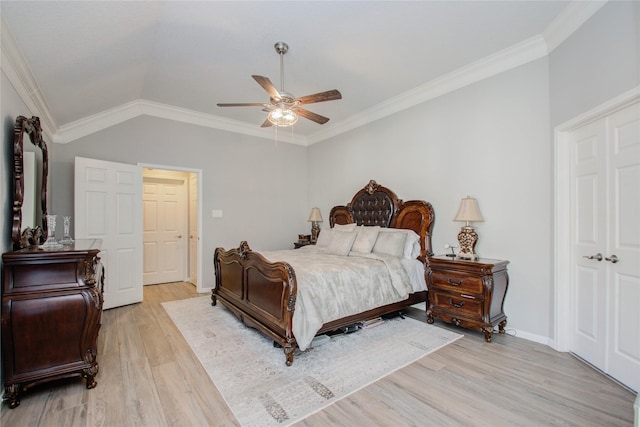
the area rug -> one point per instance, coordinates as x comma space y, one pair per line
261, 390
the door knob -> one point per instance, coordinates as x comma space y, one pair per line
179, 236
597, 257
612, 258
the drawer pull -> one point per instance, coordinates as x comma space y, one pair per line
457, 305
454, 282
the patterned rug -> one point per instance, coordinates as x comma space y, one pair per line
261, 390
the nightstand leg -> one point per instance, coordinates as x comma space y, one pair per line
487, 334
429, 318
501, 326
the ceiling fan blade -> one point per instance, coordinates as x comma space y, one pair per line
312, 116
329, 95
268, 86
253, 104
266, 124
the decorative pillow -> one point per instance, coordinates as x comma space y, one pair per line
341, 242
345, 227
411, 249
365, 238
325, 237
412, 245
390, 243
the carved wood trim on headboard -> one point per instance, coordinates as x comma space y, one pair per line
378, 205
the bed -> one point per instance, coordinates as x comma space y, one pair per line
289, 305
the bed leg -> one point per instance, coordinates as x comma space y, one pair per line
214, 299
289, 351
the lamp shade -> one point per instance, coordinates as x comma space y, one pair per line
315, 215
468, 211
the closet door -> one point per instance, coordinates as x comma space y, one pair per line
624, 242
589, 237
606, 244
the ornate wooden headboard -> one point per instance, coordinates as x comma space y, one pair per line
377, 205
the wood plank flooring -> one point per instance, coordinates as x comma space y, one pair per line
150, 377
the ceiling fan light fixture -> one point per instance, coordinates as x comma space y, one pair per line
283, 117
284, 108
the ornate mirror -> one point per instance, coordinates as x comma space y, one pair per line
30, 169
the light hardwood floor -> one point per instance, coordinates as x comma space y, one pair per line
150, 377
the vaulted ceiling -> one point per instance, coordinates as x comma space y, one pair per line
91, 64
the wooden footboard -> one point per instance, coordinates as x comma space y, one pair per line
260, 293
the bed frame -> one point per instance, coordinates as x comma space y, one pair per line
262, 294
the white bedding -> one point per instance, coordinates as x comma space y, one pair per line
332, 286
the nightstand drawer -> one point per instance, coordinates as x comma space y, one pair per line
462, 304
457, 282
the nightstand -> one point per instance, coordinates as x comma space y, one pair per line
468, 293
298, 245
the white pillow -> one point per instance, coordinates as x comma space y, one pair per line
390, 243
325, 237
412, 245
411, 249
342, 242
365, 238
345, 227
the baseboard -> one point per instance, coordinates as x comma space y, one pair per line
530, 337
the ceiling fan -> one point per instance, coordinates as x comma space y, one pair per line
284, 108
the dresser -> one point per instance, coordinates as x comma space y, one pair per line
51, 310
468, 293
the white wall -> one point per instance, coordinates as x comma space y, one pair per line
490, 141
600, 61
260, 187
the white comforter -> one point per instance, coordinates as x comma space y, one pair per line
331, 286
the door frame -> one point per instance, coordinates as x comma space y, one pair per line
562, 203
198, 172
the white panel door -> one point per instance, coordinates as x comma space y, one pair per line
589, 243
164, 211
108, 206
606, 244
624, 243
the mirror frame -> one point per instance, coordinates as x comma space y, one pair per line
37, 235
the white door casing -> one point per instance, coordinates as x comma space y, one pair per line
164, 212
108, 206
193, 229
202, 285
597, 210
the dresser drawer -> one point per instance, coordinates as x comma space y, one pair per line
464, 306
456, 282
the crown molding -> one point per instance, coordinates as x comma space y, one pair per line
140, 107
512, 57
572, 17
19, 75
575, 14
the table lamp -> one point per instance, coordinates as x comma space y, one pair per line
315, 218
468, 212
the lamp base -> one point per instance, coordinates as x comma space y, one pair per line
315, 230
467, 239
